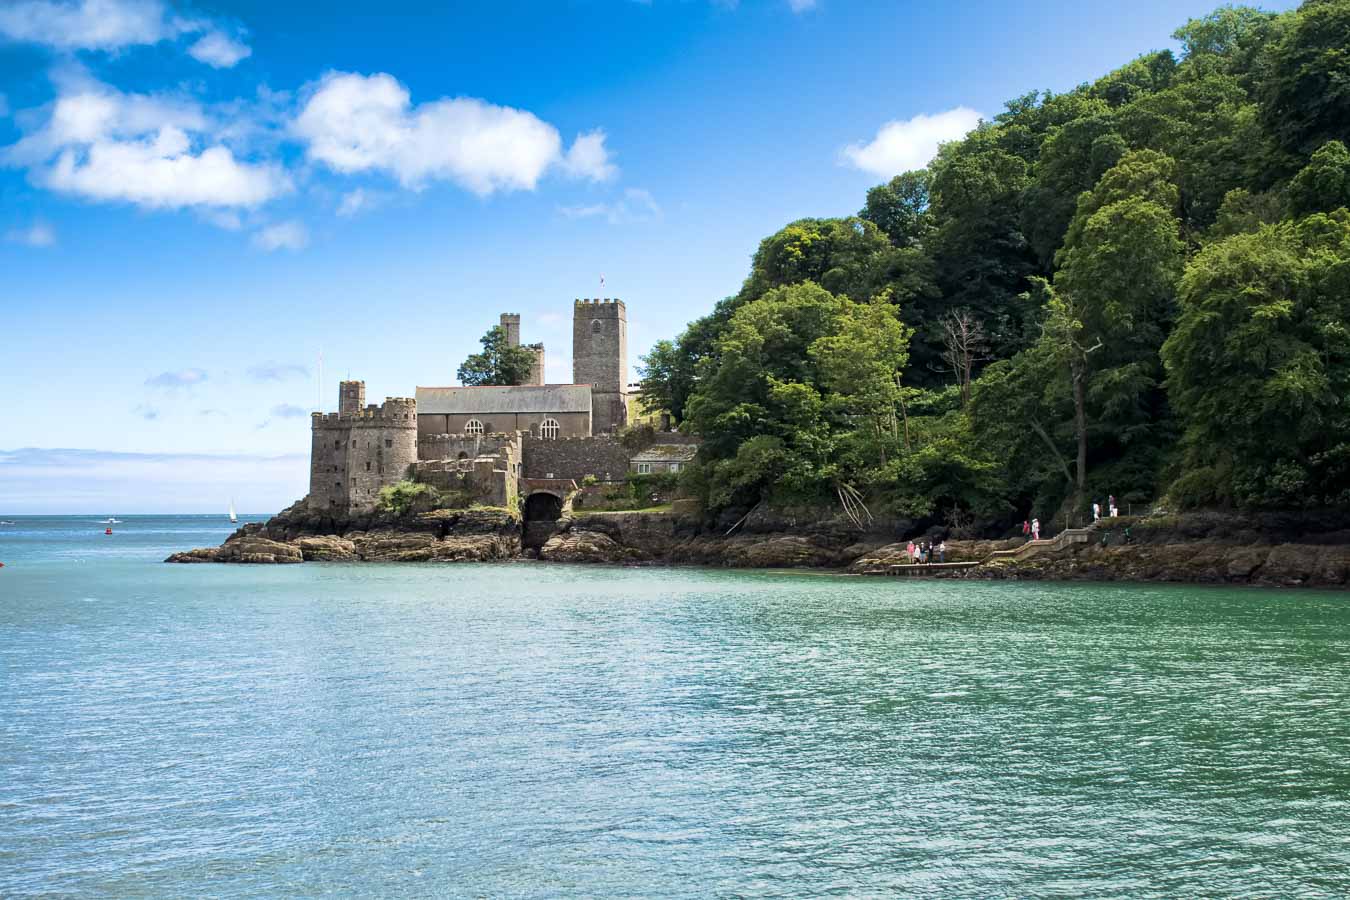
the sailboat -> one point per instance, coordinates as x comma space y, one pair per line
233, 518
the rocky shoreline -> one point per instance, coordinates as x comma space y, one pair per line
1208, 548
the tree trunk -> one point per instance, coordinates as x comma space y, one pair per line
1037, 427
1079, 369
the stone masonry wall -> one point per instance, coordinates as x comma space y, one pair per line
354, 455
575, 458
600, 359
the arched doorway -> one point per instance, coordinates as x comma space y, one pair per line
542, 511
543, 507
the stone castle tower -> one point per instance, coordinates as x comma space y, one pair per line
600, 359
359, 449
511, 326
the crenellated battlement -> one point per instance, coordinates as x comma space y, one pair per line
395, 412
599, 309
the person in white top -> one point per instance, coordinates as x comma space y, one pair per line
1096, 510
1035, 529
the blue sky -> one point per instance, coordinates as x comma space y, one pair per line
198, 200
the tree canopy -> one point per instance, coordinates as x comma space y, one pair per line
1136, 287
499, 363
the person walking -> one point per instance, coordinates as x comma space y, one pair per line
942, 552
1096, 510
1111, 506
1035, 529
910, 551
1026, 528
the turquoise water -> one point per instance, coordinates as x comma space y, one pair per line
533, 730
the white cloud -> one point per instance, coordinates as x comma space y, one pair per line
153, 151
183, 378
227, 219
637, 205
357, 123
290, 235
86, 24
39, 234
112, 25
589, 158
357, 201
277, 372
219, 50
801, 6
903, 145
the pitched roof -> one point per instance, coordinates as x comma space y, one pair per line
524, 398
667, 453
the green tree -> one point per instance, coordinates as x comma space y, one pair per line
1305, 96
1324, 183
1258, 367
900, 208
499, 363
1112, 302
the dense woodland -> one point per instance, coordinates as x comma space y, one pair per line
1139, 287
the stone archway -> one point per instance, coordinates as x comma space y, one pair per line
543, 509
543, 506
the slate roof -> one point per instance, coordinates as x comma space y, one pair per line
667, 453
524, 398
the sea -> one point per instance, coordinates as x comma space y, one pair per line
540, 730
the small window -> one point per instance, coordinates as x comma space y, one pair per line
473, 426
353, 443
367, 465
388, 443
337, 485
596, 327
644, 468
337, 445
674, 467
549, 428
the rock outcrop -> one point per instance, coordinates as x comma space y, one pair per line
1199, 548
296, 536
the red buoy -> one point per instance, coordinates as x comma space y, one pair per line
107, 531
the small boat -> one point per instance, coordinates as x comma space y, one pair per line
111, 520
233, 518
107, 531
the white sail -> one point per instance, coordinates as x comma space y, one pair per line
233, 517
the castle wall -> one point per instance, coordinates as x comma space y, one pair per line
604, 457
600, 359
462, 446
569, 424
353, 455
488, 470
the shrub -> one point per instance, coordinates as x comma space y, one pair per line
400, 498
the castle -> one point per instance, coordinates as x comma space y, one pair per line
488, 442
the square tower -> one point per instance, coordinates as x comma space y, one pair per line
600, 359
351, 397
511, 327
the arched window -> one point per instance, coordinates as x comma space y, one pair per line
596, 327
549, 428
473, 426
